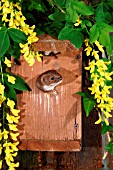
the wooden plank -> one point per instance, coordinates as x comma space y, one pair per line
52, 118
50, 145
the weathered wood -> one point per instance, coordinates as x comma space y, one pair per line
39, 145
55, 119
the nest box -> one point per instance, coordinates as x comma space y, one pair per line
51, 122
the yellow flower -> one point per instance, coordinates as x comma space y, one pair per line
2, 98
13, 127
14, 136
95, 54
78, 21
1, 149
11, 79
101, 81
99, 120
86, 41
107, 75
100, 47
2, 87
12, 119
14, 146
107, 114
15, 112
38, 57
7, 62
5, 134
91, 66
88, 50
106, 121
97, 43
10, 103
4, 18
1, 164
1, 135
13, 165
94, 88
106, 89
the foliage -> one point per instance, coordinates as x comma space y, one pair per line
86, 25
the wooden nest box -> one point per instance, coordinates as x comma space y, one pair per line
51, 122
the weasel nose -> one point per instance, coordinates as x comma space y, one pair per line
60, 78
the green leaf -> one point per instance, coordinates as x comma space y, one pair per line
60, 2
65, 33
17, 35
104, 38
57, 16
36, 5
77, 38
89, 104
105, 26
11, 93
106, 128
14, 50
20, 84
4, 28
88, 23
94, 33
109, 48
109, 147
82, 8
72, 13
4, 42
99, 13
84, 94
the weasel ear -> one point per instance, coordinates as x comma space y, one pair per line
44, 78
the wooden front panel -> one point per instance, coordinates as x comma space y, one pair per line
51, 122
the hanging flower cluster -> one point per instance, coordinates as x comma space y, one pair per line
13, 17
9, 134
13, 27
101, 77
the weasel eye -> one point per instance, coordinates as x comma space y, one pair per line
52, 78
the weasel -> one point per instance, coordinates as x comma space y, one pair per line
48, 80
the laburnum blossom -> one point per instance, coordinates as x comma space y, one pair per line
10, 103
12, 119
15, 112
12, 14
86, 42
14, 136
99, 120
91, 66
78, 21
5, 134
11, 79
10, 152
100, 47
88, 50
95, 54
2, 99
99, 88
1, 149
2, 87
13, 127
1, 164
7, 62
